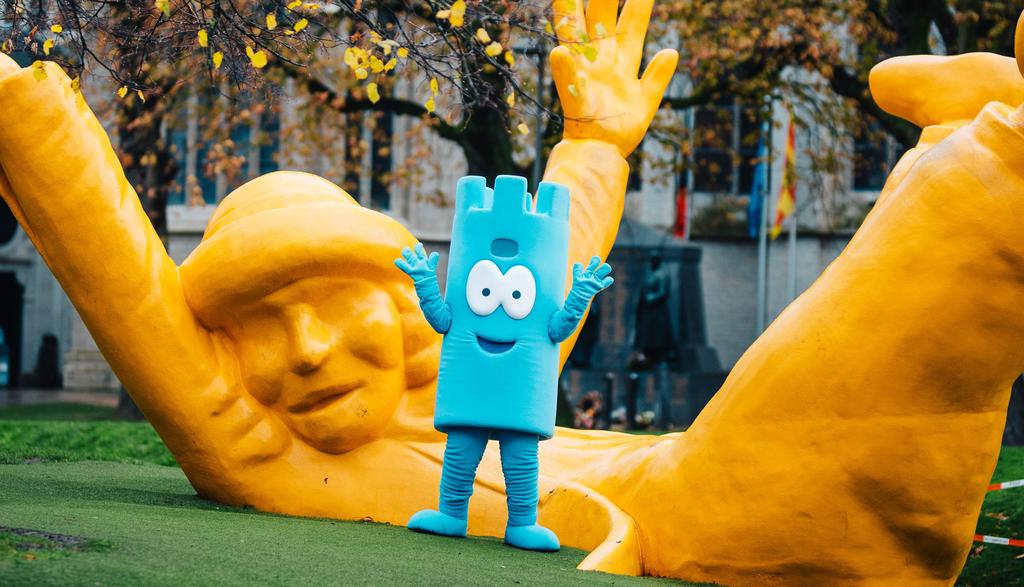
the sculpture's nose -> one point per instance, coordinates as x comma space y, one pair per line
310, 340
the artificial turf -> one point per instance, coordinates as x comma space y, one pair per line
133, 520
157, 532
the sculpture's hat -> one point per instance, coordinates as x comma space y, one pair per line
280, 228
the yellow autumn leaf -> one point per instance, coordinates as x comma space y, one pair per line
493, 50
511, 99
547, 28
590, 52
433, 86
390, 64
271, 21
376, 65
350, 57
301, 24
258, 58
39, 70
163, 6
57, 29
371, 92
294, 4
362, 74
122, 91
47, 45
403, 52
203, 38
458, 13
482, 36
443, 14
523, 129
510, 59
429, 105
311, 6
218, 57
140, 95
7, 46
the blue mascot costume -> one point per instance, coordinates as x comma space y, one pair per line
502, 318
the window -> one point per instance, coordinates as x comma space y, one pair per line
873, 156
725, 138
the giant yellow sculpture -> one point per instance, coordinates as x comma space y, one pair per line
287, 367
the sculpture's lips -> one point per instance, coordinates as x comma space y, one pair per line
495, 347
322, 398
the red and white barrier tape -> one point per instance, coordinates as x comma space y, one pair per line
997, 539
1006, 485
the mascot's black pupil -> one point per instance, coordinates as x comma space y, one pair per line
487, 291
516, 294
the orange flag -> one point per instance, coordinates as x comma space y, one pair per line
787, 192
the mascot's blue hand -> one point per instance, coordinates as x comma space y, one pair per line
417, 264
586, 283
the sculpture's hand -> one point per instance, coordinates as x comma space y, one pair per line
423, 270
586, 283
597, 83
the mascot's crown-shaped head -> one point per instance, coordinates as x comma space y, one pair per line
509, 198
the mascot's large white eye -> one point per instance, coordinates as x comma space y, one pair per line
483, 288
519, 292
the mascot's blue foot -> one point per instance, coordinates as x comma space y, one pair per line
434, 522
532, 538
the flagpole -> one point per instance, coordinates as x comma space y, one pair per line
792, 255
762, 233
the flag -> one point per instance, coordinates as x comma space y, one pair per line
755, 205
787, 192
679, 226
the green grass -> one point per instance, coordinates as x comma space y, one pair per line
158, 532
1002, 515
138, 523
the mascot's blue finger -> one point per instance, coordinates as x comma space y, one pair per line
604, 270
608, 281
594, 262
420, 251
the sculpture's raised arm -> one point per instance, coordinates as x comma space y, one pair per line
63, 181
607, 108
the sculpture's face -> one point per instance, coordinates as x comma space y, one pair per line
325, 354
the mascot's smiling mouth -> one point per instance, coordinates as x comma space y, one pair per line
495, 347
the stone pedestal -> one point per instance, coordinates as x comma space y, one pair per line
84, 365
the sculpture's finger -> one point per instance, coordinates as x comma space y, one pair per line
607, 282
577, 271
403, 265
603, 271
7, 65
407, 255
631, 30
601, 12
563, 70
421, 252
569, 20
432, 260
594, 262
658, 75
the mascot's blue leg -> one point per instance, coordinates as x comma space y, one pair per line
519, 464
462, 454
